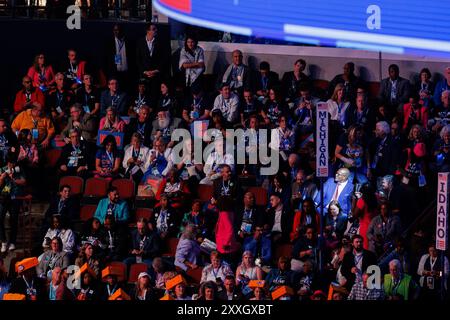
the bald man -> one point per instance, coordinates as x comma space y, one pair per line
28, 96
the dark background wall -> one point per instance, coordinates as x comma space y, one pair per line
22, 40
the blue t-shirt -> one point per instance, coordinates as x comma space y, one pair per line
107, 159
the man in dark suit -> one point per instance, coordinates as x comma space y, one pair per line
355, 262
226, 185
350, 81
113, 97
248, 216
230, 292
339, 189
62, 204
278, 220
237, 75
265, 80
118, 57
151, 60
384, 152
394, 91
141, 125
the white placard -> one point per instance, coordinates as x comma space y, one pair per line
322, 140
442, 211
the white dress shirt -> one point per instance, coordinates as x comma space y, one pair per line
122, 51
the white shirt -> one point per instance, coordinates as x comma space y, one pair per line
122, 51
216, 159
228, 107
169, 157
277, 221
150, 45
333, 109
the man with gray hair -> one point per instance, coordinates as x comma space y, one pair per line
81, 121
163, 127
399, 285
383, 152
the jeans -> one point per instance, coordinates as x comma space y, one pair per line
13, 206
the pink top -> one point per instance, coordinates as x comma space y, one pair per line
119, 125
30, 153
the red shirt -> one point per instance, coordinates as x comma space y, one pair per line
23, 99
35, 76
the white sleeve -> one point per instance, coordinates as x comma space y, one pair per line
421, 267
217, 103
126, 156
183, 59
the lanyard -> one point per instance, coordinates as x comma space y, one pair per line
114, 99
27, 284
432, 263
59, 98
215, 274
141, 129
141, 243
28, 96
120, 44
60, 205
72, 69
226, 189
140, 101
136, 152
110, 157
110, 292
196, 105
76, 149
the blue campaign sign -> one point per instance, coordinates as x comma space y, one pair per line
396, 26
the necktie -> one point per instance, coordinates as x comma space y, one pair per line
336, 193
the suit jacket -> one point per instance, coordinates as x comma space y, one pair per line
120, 105
345, 199
152, 244
348, 263
132, 127
286, 221
69, 210
237, 296
110, 66
256, 219
145, 62
251, 244
390, 156
85, 158
403, 91
61, 260
272, 80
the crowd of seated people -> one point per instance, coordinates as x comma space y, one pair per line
219, 229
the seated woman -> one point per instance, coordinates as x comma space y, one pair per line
136, 159
282, 137
273, 108
28, 152
88, 290
108, 159
94, 235
180, 292
41, 73
52, 258
207, 292
112, 121
143, 290
247, 271
86, 255
58, 230
174, 188
187, 255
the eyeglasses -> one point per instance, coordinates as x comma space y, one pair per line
75, 136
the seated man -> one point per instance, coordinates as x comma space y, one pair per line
41, 127
164, 126
249, 106
58, 101
260, 246
237, 75
214, 162
75, 156
197, 107
145, 245
226, 184
248, 216
228, 103
141, 125
112, 205
28, 96
113, 97
84, 122
278, 220
8, 140
164, 220
265, 80
64, 205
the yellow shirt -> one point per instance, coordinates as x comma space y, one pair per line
25, 121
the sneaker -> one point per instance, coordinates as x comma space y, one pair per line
4, 247
12, 247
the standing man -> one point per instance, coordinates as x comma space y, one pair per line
150, 59
237, 75
394, 91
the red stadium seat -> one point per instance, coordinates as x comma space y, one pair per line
146, 213
87, 212
75, 183
205, 192
195, 275
51, 157
171, 245
284, 250
135, 269
373, 89
125, 188
260, 193
322, 84
96, 187
122, 268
